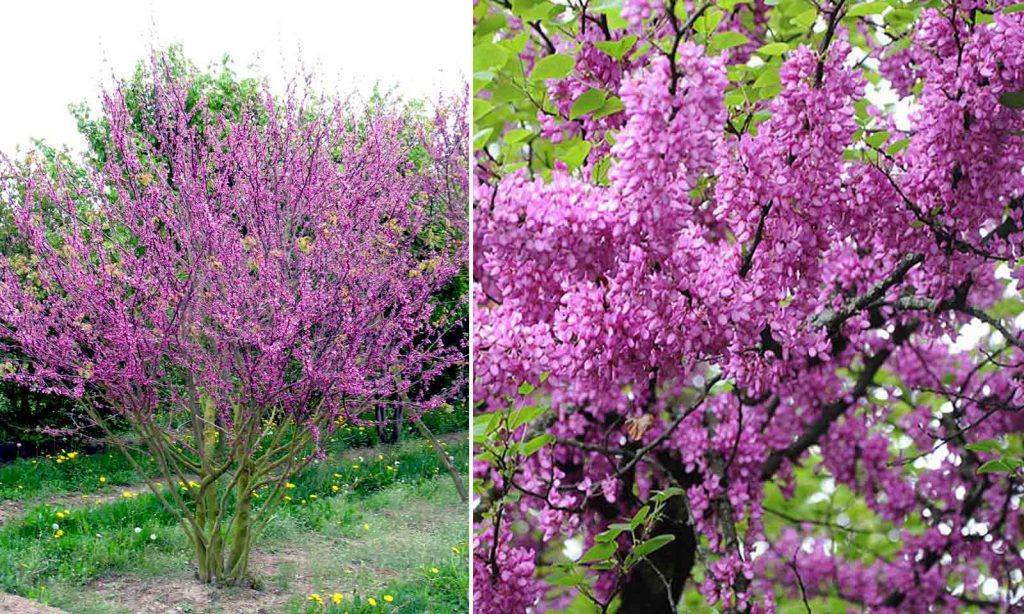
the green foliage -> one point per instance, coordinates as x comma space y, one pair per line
513, 95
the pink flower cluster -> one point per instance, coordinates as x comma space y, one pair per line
817, 272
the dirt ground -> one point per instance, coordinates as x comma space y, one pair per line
181, 592
12, 604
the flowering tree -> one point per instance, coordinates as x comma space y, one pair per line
233, 283
746, 287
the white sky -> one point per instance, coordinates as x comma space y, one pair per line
60, 52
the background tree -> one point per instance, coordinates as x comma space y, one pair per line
746, 305
233, 281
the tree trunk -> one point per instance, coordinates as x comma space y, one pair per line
452, 471
209, 544
656, 584
241, 534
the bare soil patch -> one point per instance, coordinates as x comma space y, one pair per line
282, 573
13, 604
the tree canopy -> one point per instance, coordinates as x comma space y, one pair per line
747, 285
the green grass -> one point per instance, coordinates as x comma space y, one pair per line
390, 543
27, 479
408, 488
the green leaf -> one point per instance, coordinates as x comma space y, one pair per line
515, 135
1014, 100
588, 101
612, 105
487, 56
1007, 308
599, 552
574, 153
481, 138
728, 40
523, 416
997, 465
481, 108
482, 423
806, 19
534, 10
868, 8
489, 24
516, 44
708, 22
773, 49
988, 445
655, 543
617, 49
642, 49
1014, 8
535, 444
555, 66
640, 516
570, 577
721, 387
607, 536
667, 494
603, 6
526, 388
680, 11
897, 147
735, 97
877, 139
769, 77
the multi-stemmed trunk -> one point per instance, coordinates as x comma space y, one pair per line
211, 485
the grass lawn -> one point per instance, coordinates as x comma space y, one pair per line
382, 524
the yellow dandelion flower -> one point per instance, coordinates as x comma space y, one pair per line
388, 598
315, 598
380, 457
289, 485
127, 494
58, 534
366, 527
334, 488
371, 601
287, 498
355, 466
455, 550
435, 570
103, 479
336, 598
60, 514
312, 496
337, 476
